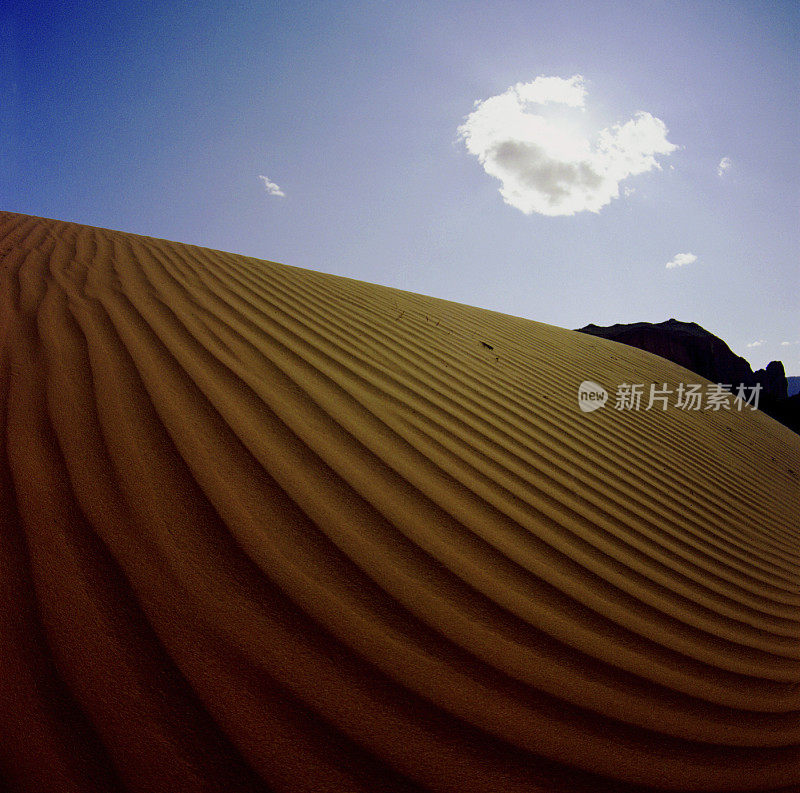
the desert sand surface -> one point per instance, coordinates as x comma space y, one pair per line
267, 529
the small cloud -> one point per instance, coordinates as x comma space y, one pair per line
532, 138
789, 343
756, 343
628, 191
681, 259
272, 188
724, 164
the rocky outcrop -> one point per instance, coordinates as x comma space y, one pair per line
773, 380
689, 345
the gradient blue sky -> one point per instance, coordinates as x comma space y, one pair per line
158, 118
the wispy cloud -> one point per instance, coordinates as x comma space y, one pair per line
533, 138
789, 343
272, 188
681, 259
756, 343
724, 164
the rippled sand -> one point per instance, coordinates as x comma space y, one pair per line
267, 529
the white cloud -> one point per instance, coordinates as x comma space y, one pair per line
542, 90
756, 343
272, 188
724, 164
681, 259
532, 138
789, 343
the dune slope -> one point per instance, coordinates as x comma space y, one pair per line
267, 529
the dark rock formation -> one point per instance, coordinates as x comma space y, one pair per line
693, 347
773, 380
787, 411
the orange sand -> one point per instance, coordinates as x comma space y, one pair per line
267, 529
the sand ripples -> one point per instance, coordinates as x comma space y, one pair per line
268, 529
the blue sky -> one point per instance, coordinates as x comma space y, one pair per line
159, 119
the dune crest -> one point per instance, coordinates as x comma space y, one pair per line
270, 529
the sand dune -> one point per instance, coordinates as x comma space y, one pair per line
269, 529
